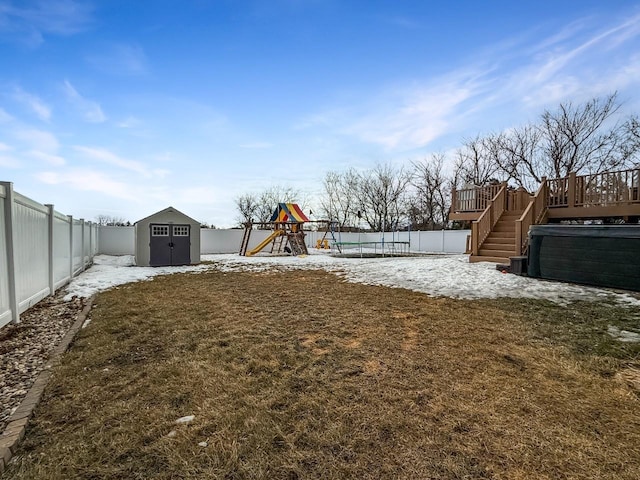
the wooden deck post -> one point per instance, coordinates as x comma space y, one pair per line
474, 238
571, 191
454, 206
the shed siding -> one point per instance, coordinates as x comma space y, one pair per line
169, 216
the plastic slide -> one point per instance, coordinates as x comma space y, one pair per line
265, 242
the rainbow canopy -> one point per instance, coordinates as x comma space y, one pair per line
288, 212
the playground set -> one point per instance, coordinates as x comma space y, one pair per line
287, 233
288, 236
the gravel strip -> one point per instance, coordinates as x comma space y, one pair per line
25, 347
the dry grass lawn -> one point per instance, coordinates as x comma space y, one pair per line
299, 375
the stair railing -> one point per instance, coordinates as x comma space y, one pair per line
534, 213
481, 228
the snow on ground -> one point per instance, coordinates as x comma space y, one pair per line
623, 335
438, 275
109, 271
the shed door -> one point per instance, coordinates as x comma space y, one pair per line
169, 245
159, 245
181, 244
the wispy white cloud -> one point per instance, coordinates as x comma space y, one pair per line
574, 62
30, 22
5, 117
49, 158
415, 121
6, 159
37, 140
161, 172
91, 110
129, 122
560, 58
121, 59
89, 180
33, 103
9, 161
110, 158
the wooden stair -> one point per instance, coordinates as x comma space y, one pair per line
500, 244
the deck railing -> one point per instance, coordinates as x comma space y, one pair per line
481, 228
618, 191
533, 214
474, 199
598, 189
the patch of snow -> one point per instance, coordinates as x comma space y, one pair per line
118, 261
623, 335
186, 419
172, 434
437, 275
202, 444
109, 271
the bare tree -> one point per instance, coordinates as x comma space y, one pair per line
381, 196
247, 206
269, 199
475, 164
573, 138
516, 152
339, 202
632, 133
583, 138
108, 220
259, 207
428, 207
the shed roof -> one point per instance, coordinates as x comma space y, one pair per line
168, 210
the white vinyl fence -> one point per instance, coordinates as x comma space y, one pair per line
40, 250
121, 240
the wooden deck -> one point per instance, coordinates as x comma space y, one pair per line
496, 209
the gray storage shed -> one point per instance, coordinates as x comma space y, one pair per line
168, 237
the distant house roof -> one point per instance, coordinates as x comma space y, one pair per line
288, 212
168, 210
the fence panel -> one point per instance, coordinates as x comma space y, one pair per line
117, 240
35, 251
222, 241
121, 241
31, 226
78, 246
5, 304
61, 249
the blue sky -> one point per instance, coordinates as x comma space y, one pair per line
122, 108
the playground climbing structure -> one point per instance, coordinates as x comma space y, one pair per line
287, 233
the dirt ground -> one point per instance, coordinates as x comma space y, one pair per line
298, 375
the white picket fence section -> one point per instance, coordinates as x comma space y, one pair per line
40, 250
121, 240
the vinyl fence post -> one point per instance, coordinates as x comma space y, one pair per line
90, 241
70, 246
10, 237
82, 245
50, 223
